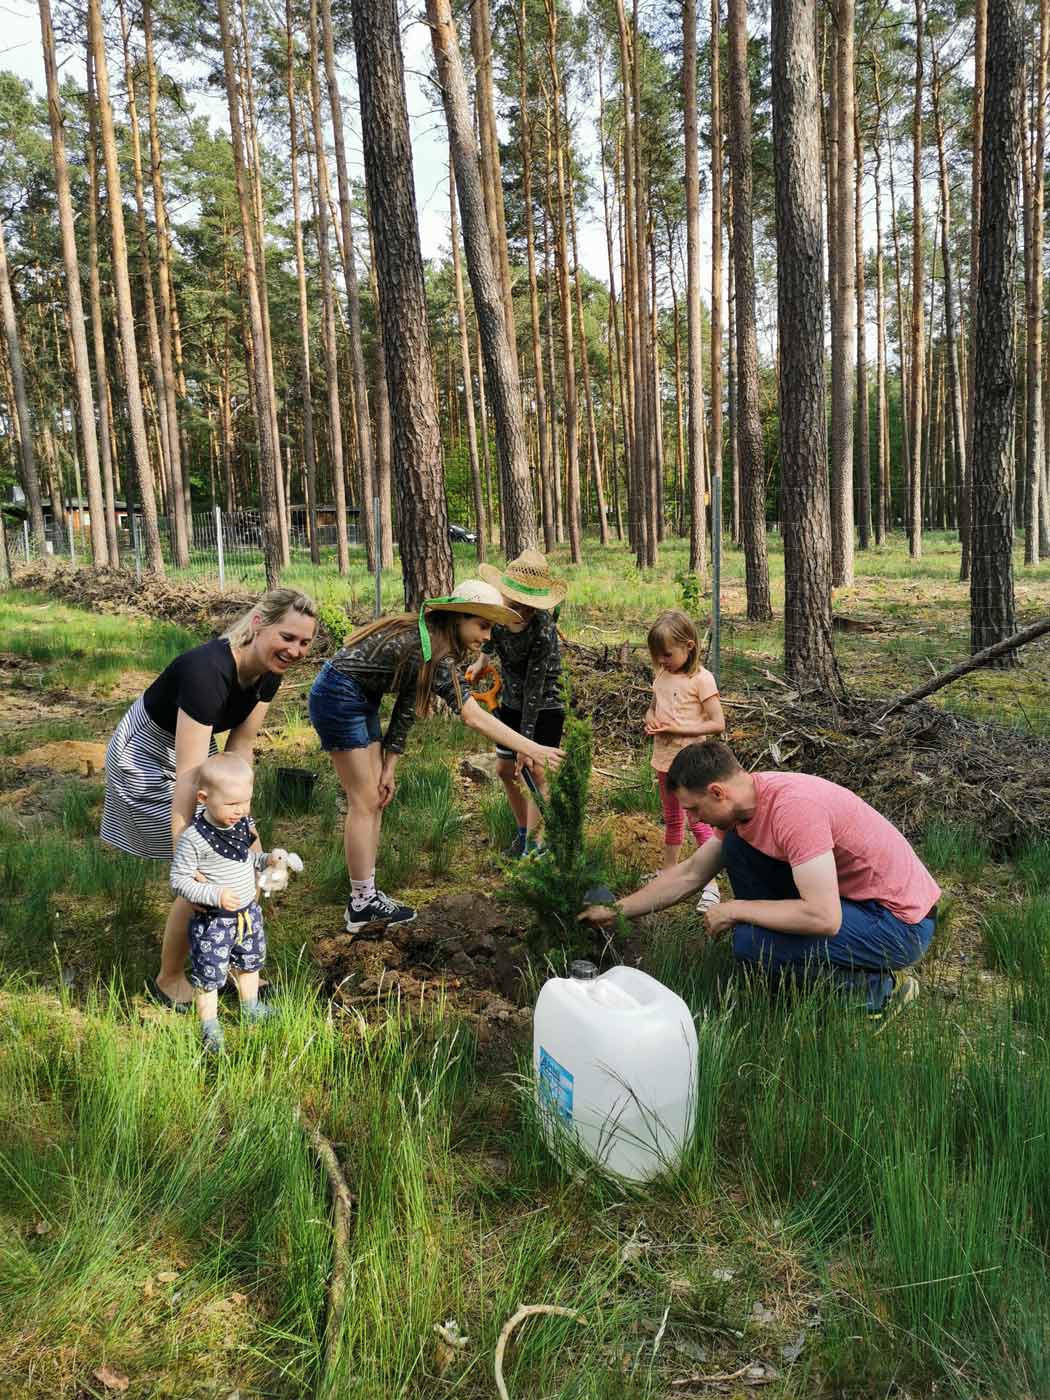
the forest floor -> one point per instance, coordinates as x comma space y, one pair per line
862, 1214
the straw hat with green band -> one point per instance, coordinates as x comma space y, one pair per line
471, 597
527, 580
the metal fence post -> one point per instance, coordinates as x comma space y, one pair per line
72, 545
25, 538
137, 543
378, 541
218, 547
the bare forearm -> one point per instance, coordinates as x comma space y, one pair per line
797, 916
183, 803
498, 732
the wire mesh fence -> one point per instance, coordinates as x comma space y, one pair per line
223, 548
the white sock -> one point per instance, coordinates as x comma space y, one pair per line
362, 892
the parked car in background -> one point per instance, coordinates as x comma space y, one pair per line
459, 534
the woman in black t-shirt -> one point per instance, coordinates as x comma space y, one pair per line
222, 687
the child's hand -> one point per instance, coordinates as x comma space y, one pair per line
474, 670
651, 728
228, 900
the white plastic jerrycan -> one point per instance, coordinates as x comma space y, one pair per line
614, 1059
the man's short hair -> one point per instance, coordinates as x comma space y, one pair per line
698, 765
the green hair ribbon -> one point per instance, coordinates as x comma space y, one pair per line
424, 634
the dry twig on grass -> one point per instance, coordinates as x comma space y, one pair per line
526, 1310
342, 1209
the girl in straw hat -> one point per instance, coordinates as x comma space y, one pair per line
529, 653
416, 656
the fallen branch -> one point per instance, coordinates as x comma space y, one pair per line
972, 663
526, 1310
342, 1209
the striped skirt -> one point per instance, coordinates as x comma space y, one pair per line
140, 781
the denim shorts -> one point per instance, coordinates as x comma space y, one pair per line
341, 712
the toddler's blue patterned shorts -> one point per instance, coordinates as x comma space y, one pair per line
219, 941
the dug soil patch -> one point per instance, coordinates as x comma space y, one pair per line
464, 950
66, 756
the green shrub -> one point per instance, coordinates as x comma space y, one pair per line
552, 885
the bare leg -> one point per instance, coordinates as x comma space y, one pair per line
519, 803
248, 986
174, 949
358, 773
207, 1005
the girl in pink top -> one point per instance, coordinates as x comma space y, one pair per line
685, 708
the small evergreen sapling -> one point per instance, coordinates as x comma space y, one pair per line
552, 885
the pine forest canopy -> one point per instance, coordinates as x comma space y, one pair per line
215, 288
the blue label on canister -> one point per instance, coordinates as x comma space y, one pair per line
555, 1086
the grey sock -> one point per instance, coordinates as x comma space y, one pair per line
252, 1009
211, 1034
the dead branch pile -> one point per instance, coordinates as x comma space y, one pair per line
923, 764
612, 687
194, 605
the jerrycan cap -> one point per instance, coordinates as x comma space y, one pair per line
582, 970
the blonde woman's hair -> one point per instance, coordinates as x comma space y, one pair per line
270, 608
444, 642
674, 628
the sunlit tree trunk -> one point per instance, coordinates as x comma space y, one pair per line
97, 325
500, 363
305, 376
30, 479
122, 289
468, 378
268, 464
808, 651
1034, 274
882, 469
717, 305
992, 616
81, 363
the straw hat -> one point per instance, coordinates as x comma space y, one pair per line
476, 599
527, 580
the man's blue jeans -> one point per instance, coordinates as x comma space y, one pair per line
869, 944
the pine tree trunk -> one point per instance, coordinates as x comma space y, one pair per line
365, 460
335, 417
917, 347
81, 363
468, 378
995, 378
697, 541
808, 651
539, 378
97, 324
951, 332
980, 50
748, 418
843, 309
268, 464
572, 449
1034, 301
489, 307
305, 375
422, 517
30, 479
588, 397
166, 294
882, 469
122, 289
168, 432
863, 439
717, 307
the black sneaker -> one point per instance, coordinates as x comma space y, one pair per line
380, 909
515, 850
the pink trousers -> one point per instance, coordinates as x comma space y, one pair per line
674, 818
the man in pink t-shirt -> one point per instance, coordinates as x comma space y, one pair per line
820, 879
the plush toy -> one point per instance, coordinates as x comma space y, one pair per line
275, 877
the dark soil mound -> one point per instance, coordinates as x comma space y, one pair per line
463, 949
